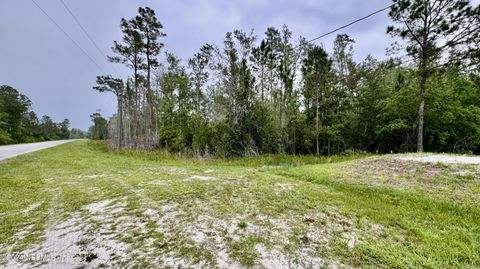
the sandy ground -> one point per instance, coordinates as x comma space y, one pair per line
94, 237
442, 158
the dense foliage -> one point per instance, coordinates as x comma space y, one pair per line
274, 95
19, 124
435, 32
99, 129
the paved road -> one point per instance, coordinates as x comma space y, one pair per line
10, 151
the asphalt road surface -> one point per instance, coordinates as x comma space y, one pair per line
10, 151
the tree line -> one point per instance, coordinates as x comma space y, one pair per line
253, 96
19, 124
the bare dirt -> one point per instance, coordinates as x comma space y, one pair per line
442, 158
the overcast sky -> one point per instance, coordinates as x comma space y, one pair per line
38, 60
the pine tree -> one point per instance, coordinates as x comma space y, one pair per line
150, 29
116, 86
431, 28
316, 74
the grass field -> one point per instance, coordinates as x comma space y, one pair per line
79, 205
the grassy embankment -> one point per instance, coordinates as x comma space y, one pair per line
349, 211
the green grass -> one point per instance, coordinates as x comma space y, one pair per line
189, 212
437, 233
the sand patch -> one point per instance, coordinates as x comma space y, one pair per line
78, 242
32, 207
443, 158
283, 186
165, 169
199, 178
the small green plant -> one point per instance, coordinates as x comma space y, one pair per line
242, 224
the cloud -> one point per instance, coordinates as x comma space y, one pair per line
41, 62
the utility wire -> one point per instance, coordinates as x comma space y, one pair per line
101, 52
89, 36
69, 37
349, 24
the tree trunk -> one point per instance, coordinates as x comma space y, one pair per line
148, 110
317, 131
136, 109
423, 78
317, 111
328, 147
422, 83
198, 92
120, 124
421, 112
262, 85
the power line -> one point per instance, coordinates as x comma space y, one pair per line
89, 36
69, 37
349, 24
